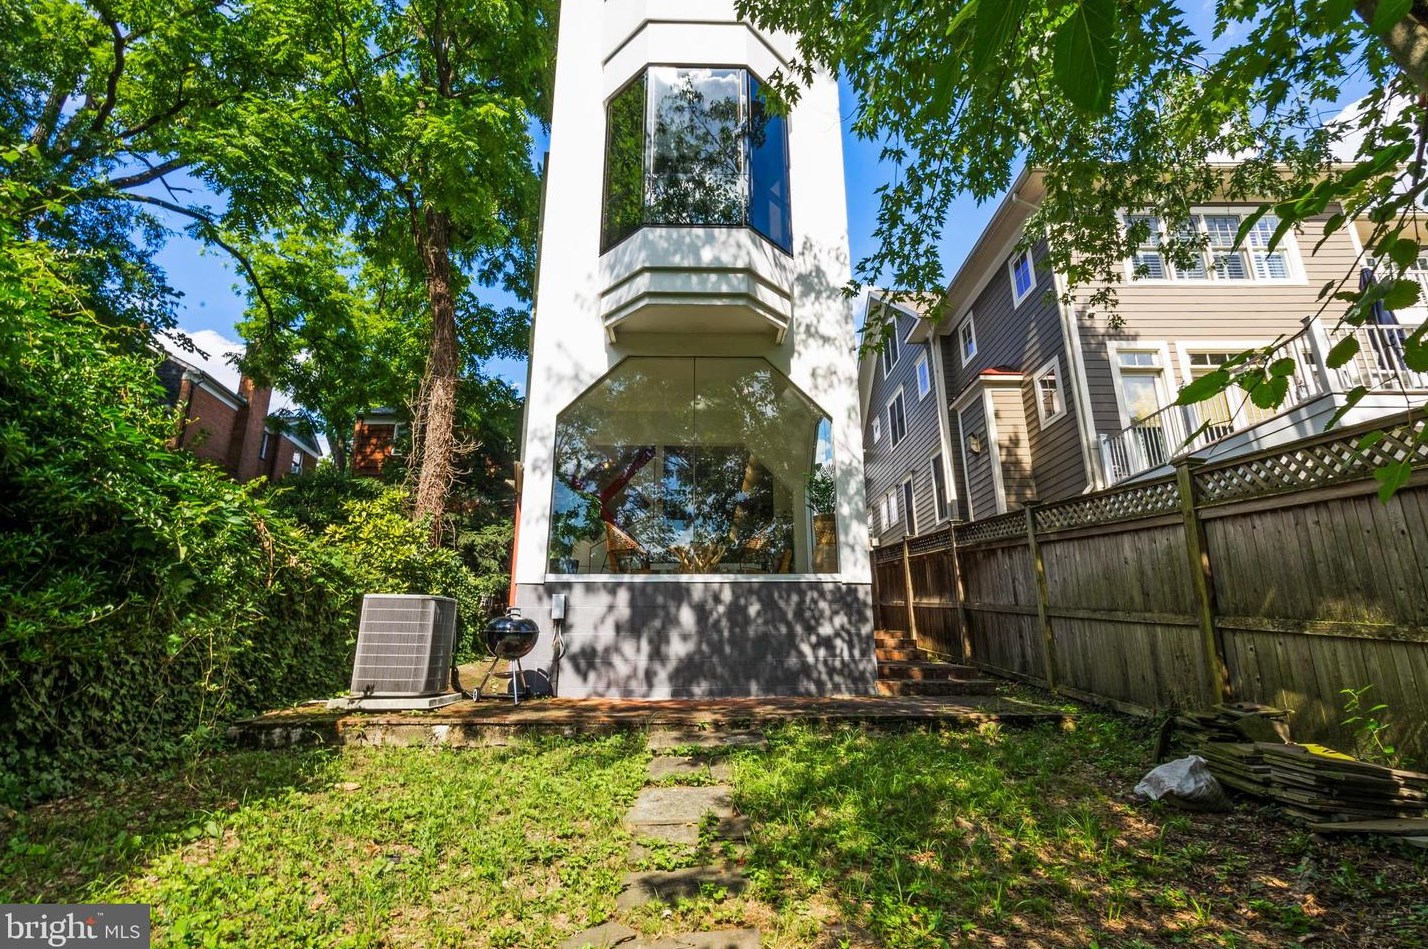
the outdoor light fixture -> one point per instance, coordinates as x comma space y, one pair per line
974, 443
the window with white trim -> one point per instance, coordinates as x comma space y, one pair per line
1023, 276
967, 339
924, 376
890, 353
1219, 259
939, 488
1050, 400
877, 429
890, 514
897, 418
909, 510
297, 463
266, 445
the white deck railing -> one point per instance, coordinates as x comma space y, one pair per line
1159, 439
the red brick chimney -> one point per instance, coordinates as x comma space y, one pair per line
248, 428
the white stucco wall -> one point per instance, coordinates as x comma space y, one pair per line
600, 46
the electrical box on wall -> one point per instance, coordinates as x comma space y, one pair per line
557, 606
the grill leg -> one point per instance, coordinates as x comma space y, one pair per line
521, 677
489, 669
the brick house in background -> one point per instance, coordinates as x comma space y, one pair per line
374, 440
232, 429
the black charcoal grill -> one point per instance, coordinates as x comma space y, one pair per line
510, 637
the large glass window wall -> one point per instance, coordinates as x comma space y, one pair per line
693, 466
695, 146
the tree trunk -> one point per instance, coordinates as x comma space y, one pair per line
1406, 41
437, 404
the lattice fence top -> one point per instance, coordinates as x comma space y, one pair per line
930, 543
1125, 504
1318, 463
992, 528
887, 554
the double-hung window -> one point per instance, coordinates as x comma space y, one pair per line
1023, 276
890, 352
967, 339
1212, 255
1050, 400
939, 488
924, 377
909, 515
897, 419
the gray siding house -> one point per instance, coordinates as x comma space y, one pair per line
904, 429
1045, 399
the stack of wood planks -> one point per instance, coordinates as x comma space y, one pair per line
1247, 748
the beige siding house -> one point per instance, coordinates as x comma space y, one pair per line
1046, 399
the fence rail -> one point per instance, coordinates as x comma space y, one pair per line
1278, 577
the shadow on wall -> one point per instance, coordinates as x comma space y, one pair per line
702, 638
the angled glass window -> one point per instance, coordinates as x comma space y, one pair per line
695, 146
693, 465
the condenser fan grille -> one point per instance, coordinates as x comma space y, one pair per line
404, 645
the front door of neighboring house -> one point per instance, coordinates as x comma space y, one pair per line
1144, 397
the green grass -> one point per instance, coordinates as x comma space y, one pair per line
1031, 838
864, 839
372, 847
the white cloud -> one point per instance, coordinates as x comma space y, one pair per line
215, 357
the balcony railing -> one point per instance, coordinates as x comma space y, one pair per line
1174, 431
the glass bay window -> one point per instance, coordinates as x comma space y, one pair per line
695, 146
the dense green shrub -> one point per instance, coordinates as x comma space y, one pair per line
145, 599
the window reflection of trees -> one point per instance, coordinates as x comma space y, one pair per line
692, 466
697, 147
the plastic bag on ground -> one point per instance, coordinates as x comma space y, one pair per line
1186, 783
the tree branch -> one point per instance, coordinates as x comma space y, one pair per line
208, 228
144, 177
111, 84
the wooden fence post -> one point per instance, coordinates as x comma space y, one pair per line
907, 586
1048, 638
1202, 579
959, 590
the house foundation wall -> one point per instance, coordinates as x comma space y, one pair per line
662, 639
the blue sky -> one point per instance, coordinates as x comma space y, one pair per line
212, 301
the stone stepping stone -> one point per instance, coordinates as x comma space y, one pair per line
674, 766
674, 813
681, 738
604, 936
668, 886
719, 939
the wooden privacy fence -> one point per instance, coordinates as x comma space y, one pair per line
1278, 577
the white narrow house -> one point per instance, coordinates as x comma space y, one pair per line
692, 471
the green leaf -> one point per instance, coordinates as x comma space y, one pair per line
1368, 441
1351, 398
996, 23
1344, 350
1086, 55
1402, 294
1389, 13
1403, 251
1270, 393
1282, 367
1205, 387
1391, 477
1415, 354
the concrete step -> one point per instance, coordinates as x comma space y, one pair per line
900, 655
937, 687
925, 670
